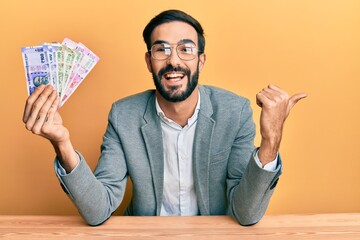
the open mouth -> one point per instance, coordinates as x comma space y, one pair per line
174, 76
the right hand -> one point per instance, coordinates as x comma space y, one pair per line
41, 116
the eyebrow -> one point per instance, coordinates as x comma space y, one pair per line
182, 41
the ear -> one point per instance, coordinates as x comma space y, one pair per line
148, 61
202, 59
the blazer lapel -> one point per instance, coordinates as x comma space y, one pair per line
201, 152
152, 135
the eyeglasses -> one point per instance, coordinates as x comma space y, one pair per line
185, 51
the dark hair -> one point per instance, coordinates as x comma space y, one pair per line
170, 16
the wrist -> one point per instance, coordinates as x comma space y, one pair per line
66, 155
268, 151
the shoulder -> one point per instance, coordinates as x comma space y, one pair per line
134, 102
222, 98
131, 109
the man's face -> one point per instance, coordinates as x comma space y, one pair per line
175, 79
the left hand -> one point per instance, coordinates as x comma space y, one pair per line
276, 105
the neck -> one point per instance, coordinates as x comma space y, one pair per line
179, 112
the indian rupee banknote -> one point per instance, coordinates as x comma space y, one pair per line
63, 65
36, 66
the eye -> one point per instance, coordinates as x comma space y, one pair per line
187, 48
160, 49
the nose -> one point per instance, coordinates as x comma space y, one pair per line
173, 59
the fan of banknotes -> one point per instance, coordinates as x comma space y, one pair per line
63, 65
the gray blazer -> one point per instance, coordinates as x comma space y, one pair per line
227, 178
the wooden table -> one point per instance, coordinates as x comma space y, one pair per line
318, 226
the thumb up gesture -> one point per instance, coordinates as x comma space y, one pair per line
276, 105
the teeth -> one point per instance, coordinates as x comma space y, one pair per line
174, 75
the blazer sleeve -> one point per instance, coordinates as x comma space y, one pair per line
249, 187
97, 195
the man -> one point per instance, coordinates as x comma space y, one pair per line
187, 148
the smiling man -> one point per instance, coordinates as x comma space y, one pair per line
188, 148
175, 61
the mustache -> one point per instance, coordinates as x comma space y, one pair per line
170, 68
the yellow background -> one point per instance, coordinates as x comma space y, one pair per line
307, 45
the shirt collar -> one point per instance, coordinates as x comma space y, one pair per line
191, 120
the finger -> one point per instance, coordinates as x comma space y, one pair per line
262, 99
270, 92
51, 113
43, 113
258, 102
36, 106
274, 95
295, 98
30, 101
276, 88
49, 119
34, 97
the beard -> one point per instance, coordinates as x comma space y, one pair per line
173, 95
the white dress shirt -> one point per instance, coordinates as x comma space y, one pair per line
179, 197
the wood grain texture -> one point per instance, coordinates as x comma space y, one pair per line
317, 226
